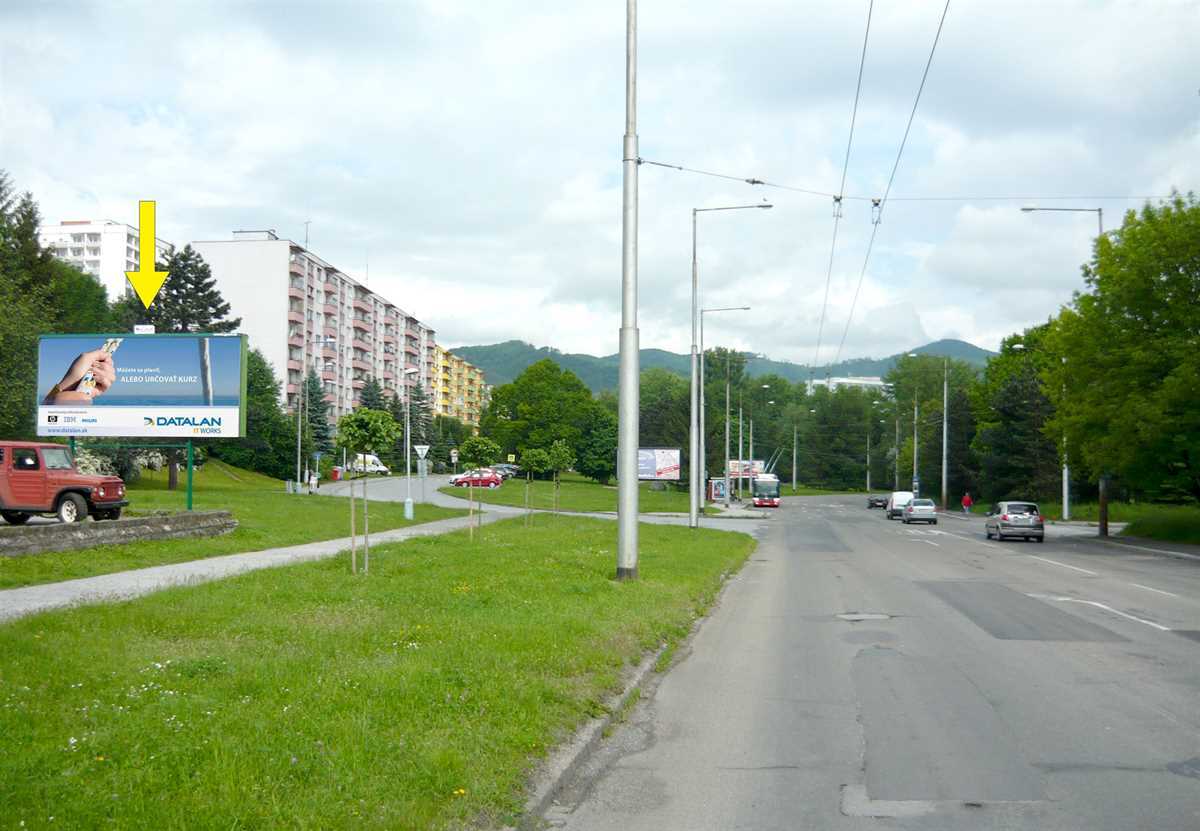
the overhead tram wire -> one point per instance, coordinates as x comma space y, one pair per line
837, 200
752, 180
878, 206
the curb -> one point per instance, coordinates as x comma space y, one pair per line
564, 763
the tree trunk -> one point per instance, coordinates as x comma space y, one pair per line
528, 477
173, 470
366, 532
353, 534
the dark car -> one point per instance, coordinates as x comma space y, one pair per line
877, 500
41, 478
1015, 519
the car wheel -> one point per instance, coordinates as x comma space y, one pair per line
15, 517
72, 508
987, 535
1040, 539
934, 522
492, 485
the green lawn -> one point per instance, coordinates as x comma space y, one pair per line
805, 490
416, 697
577, 494
267, 518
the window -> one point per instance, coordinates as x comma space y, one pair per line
57, 458
25, 458
1, 454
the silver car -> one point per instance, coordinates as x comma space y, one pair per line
1015, 519
919, 510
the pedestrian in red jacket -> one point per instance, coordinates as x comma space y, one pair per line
967, 502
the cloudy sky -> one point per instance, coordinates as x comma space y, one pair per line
470, 151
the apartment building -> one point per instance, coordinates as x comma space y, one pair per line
101, 247
459, 388
304, 313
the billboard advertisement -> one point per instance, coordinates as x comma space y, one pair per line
658, 463
143, 386
746, 467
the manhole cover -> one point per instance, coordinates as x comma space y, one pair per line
854, 617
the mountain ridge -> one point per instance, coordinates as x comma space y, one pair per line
502, 362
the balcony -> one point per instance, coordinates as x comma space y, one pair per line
330, 308
295, 317
328, 375
296, 267
388, 375
358, 384
363, 365
388, 337
296, 291
360, 303
295, 340
361, 345
358, 323
410, 332
411, 348
293, 365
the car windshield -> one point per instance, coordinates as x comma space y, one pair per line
57, 458
922, 503
1022, 508
768, 490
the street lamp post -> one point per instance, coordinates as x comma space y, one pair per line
408, 500
945, 424
1066, 470
703, 433
695, 464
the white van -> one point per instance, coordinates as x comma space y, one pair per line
896, 503
369, 463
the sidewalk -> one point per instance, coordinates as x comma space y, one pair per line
122, 585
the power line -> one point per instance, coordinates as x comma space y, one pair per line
879, 206
837, 200
752, 180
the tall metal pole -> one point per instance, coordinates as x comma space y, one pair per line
725, 460
703, 442
915, 416
896, 461
741, 458
628, 394
945, 425
694, 433
868, 457
408, 502
794, 434
1066, 472
300, 377
751, 459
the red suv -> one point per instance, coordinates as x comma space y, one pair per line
38, 478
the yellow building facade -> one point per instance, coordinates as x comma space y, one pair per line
459, 391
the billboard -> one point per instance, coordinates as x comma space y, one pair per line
658, 463
144, 386
746, 467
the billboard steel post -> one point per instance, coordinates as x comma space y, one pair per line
190, 460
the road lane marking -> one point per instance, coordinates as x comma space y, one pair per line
1104, 606
1064, 565
1152, 589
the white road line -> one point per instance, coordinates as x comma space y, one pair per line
1107, 608
1151, 589
931, 542
1064, 565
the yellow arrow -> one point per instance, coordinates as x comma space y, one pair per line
146, 281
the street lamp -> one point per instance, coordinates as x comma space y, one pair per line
1099, 212
408, 502
694, 447
703, 435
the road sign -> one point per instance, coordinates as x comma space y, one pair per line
143, 328
421, 449
454, 456
512, 457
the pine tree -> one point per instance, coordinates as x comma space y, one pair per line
189, 300
372, 397
318, 413
420, 415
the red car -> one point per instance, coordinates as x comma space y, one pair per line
479, 479
40, 478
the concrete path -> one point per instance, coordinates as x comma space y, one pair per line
123, 585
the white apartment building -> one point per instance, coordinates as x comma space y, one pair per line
301, 313
861, 382
101, 247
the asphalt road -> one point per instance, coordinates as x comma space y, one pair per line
990, 685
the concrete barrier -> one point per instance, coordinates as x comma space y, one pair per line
37, 539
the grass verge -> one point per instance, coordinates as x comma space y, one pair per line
576, 494
267, 518
805, 490
417, 697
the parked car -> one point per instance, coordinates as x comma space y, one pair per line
483, 478
895, 504
877, 500
1015, 519
507, 470
920, 510
39, 478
